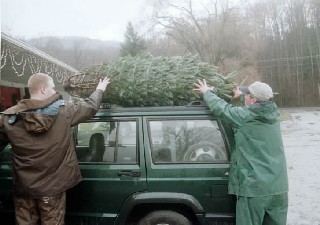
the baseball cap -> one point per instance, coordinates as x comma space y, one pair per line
244, 89
260, 91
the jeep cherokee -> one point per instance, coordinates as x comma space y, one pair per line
157, 165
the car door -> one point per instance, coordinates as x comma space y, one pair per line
190, 155
111, 159
6, 186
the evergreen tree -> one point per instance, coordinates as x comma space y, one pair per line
133, 44
145, 80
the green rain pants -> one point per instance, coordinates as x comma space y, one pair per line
268, 210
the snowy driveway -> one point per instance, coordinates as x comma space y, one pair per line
301, 137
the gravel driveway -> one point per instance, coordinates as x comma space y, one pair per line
301, 137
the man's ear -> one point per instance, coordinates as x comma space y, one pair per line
253, 100
43, 90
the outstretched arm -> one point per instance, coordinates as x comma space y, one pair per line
202, 86
86, 109
103, 84
220, 108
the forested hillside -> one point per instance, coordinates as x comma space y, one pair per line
276, 41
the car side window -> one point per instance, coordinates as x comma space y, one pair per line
6, 155
110, 142
187, 141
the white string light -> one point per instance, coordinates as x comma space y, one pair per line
12, 54
21, 60
4, 55
23, 67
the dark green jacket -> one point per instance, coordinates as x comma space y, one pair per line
258, 165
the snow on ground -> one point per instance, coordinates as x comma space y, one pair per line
301, 137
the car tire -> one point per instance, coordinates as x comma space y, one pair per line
167, 217
204, 151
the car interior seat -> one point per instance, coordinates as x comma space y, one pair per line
96, 148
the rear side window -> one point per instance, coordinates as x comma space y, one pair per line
110, 142
6, 155
187, 141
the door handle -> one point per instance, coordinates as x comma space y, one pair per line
129, 174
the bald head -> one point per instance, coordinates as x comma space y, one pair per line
41, 86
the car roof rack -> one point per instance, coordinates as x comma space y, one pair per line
196, 103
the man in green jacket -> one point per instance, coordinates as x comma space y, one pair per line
258, 172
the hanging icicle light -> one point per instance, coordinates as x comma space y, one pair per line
19, 61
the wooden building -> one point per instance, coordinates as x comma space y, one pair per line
19, 61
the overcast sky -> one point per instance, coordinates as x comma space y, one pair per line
99, 19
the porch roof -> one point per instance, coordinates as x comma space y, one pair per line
20, 60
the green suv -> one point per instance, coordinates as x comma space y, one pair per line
159, 165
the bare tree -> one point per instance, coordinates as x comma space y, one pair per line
78, 49
289, 56
201, 29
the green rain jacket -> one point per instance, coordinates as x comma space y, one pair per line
258, 165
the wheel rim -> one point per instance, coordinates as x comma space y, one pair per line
204, 153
